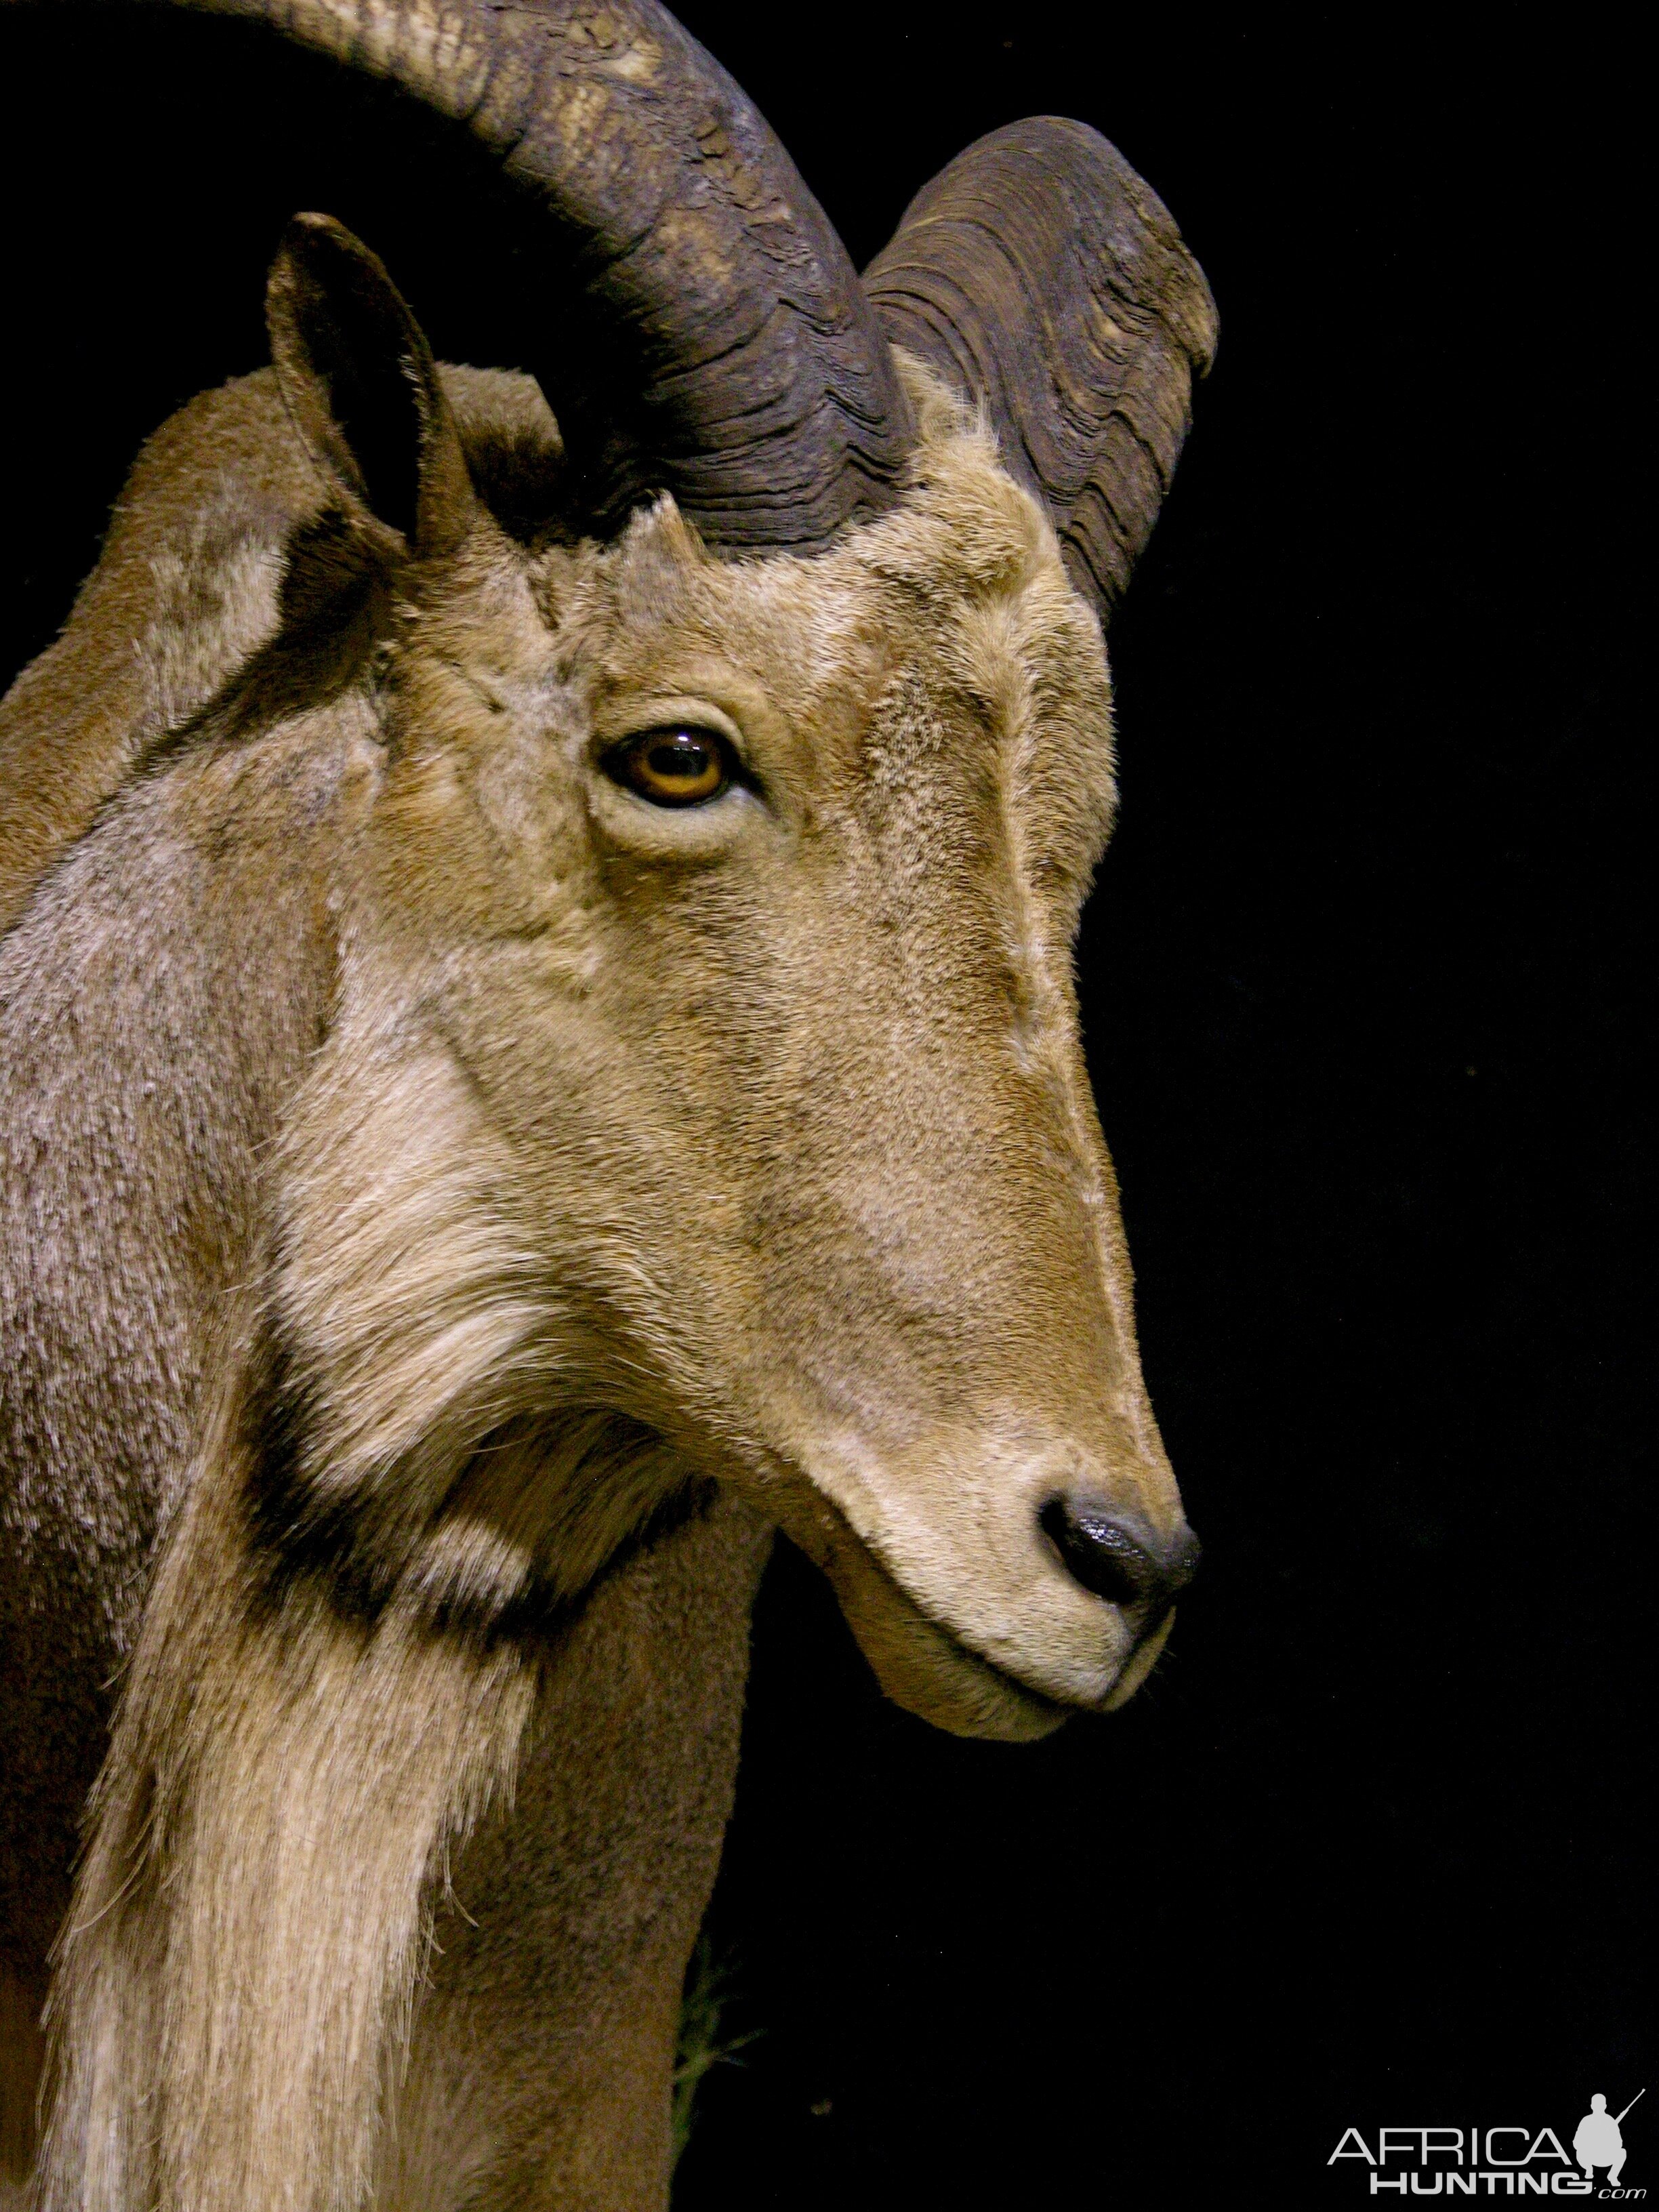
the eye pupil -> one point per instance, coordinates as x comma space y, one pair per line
673, 767
679, 756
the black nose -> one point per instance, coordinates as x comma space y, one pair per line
1118, 1557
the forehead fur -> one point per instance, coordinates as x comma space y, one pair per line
960, 587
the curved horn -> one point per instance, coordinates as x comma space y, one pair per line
697, 326
1039, 274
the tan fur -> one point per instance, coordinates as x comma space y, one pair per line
184, 592
429, 1167
264, 1775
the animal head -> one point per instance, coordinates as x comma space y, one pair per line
703, 1092
707, 1054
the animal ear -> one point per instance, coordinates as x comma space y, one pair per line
360, 386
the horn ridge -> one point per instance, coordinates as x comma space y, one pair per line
677, 227
1048, 280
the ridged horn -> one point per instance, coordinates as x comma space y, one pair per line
696, 324
1040, 276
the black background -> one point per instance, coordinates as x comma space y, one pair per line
1359, 984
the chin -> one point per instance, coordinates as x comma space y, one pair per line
923, 1668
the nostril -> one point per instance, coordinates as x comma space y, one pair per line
1127, 1565
1099, 1552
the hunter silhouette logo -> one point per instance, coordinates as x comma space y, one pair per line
1509, 2161
1598, 2141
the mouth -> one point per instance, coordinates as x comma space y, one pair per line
931, 1673
1140, 1662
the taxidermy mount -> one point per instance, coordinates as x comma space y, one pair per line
540, 1049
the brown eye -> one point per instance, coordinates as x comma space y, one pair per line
673, 767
